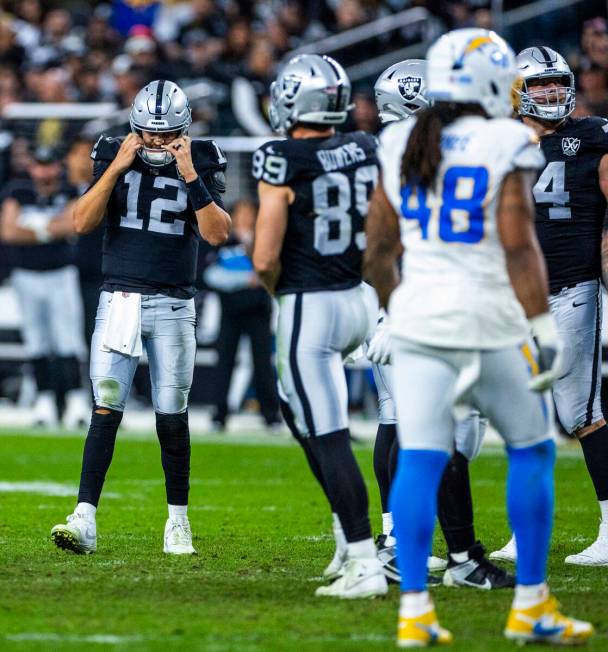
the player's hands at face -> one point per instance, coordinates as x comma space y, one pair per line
181, 149
129, 148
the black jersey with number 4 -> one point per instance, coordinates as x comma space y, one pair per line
570, 205
332, 179
151, 235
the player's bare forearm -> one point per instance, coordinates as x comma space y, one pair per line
528, 275
383, 246
270, 230
214, 223
10, 230
91, 207
525, 263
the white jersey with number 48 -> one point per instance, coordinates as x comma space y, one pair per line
455, 291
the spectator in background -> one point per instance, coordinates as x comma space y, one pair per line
594, 41
593, 84
246, 310
128, 80
36, 222
365, 113
238, 41
11, 53
250, 91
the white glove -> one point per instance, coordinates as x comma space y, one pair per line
379, 348
550, 352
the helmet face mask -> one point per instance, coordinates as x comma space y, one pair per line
547, 90
160, 107
400, 91
312, 89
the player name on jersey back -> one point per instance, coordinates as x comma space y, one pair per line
341, 157
455, 291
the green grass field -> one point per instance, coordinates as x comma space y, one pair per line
262, 530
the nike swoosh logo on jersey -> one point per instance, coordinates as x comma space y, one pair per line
174, 308
576, 305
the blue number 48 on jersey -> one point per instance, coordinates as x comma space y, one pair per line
461, 214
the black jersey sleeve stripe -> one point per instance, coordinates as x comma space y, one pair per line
596, 356
159, 99
295, 370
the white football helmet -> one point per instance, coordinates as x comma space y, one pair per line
160, 106
555, 103
400, 90
309, 88
472, 66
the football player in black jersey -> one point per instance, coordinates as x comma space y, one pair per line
314, 190
570, 197
160, 192
36, 224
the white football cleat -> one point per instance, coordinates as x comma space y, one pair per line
506, 553
362, 578
77, 413
596, 554
78, 534
435, 564
44, 412
178, 538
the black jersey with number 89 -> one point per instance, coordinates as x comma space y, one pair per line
570, 205
332, 179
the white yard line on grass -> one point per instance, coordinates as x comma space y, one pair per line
105, 639
45, 489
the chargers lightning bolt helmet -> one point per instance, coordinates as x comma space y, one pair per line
472, 65
538, 63
400, 90
309, 88
160, 106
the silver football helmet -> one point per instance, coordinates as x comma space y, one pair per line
539, 63
309, 88
160, 106
400, 90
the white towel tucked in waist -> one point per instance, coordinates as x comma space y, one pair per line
123, 326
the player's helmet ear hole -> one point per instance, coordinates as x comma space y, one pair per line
494, 88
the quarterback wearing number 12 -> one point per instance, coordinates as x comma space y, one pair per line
159, 191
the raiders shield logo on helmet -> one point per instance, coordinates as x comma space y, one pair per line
291, 86
570, 146
409, 87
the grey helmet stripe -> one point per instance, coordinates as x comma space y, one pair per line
159, 99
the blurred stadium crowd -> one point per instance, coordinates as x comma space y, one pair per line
225, 54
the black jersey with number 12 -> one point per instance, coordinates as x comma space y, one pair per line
151, 236
570, 205
332, 179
